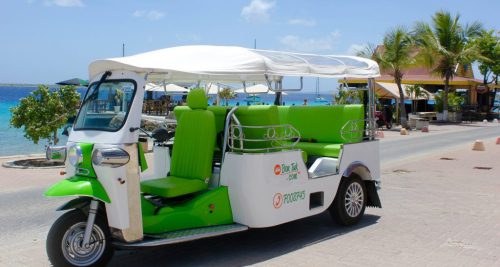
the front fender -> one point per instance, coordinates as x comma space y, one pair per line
78, 186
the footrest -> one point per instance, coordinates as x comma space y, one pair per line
184, 235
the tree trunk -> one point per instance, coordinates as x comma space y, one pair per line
402, 109
445, 96
55, 137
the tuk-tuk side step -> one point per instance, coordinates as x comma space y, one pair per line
184, 235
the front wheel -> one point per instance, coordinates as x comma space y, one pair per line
65, 238
349, 204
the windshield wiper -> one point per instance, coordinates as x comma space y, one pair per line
96, 90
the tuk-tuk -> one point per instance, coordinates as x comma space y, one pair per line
229, 169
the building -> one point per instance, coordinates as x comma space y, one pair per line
477, 96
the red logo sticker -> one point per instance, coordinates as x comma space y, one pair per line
277, 169
278, 200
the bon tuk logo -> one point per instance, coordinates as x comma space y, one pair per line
289, 198
291, 170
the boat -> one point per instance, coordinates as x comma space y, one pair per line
319, 98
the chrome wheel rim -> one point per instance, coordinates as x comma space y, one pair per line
77, 254
354, 199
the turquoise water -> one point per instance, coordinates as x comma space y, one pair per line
13, 142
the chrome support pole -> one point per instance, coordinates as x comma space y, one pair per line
90, 222
371, 108
226, 131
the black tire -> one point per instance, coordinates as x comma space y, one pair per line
72, 220
339, 208
389, 125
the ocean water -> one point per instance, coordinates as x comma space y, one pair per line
13, 142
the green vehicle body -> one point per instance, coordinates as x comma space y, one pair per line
78, 186
207, 208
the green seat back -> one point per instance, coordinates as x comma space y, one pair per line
219, 113
194, 140
257, 116
323, 124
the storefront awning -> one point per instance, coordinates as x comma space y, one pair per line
390, 90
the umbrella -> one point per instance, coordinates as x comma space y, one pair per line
169, 88
214, 89
74, 81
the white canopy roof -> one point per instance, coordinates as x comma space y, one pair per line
235, 64
390, 90
256, 89
169, 88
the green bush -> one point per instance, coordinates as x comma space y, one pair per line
43, 112
454, 102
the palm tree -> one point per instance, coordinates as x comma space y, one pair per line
445, 46
227, 94
394, 57
414, 92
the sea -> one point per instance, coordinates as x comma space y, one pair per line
13, 142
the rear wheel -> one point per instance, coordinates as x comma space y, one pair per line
65, 238
349, 204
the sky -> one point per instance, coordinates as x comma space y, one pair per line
46, 41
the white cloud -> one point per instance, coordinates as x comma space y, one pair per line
257, 10
64, 3
139, 13
322, 44
151, 14
354, 48
302, 22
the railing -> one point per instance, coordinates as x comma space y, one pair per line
357, 130
270, 138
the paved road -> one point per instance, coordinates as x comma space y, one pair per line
399, 150
26, 217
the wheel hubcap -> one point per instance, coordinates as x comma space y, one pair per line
354, 199
73, 249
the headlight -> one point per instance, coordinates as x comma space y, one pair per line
75, 155
113, 157
56, 153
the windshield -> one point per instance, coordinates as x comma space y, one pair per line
106, 108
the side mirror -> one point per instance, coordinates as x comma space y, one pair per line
65, 131
162, 134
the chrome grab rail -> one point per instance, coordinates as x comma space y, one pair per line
275, 134
230, 115
352, 128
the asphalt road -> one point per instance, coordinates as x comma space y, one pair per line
398, 150
26, 217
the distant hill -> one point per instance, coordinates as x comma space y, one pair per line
23, 85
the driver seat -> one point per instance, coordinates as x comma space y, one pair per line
191, 165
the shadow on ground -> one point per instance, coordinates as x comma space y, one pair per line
245, 248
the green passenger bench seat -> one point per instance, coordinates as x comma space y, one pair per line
191, 165
320, 126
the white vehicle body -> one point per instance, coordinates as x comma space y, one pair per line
250, 178
262, 198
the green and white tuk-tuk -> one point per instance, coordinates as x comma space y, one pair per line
230, 168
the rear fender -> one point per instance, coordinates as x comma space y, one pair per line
79, 186
359, 169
